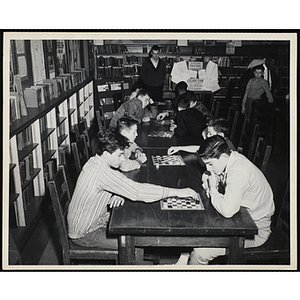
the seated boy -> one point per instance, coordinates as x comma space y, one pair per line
190, 122
99, 185
214, 127
245, 185
133, 108
128, 128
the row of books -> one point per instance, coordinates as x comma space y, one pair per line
232, 71
28, 195
18, 107
109, 72
221, 61
62, 129
24, 138
26, 168
43, 92
107, 49
112, 86
50, 169
110, 61
128, 60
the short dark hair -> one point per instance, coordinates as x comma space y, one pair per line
155, 48
219, 125
213, 147
185, 99
110, 140
142, 92
182, 85
126, 122
258, 67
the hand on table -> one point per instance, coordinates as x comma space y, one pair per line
116, 201
161, 116
172, 127
173, 150
188, 193
141, 157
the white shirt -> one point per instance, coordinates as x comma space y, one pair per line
245, 186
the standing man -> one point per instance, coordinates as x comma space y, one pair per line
153, 74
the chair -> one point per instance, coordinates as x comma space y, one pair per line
248, 139
206, 98
220, 109
60, 197
80, 153
262, 113
230, 118
100, 118
276, 249
236, 128
82, 129
262, 154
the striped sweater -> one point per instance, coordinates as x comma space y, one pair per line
95, 186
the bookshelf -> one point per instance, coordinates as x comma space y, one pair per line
38, 144
110, 95
123, 59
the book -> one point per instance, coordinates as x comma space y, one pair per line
51, 168
45, 91
42, 92
55, 87
33, 97
15, 113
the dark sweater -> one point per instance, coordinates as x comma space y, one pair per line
190, 124
153, 76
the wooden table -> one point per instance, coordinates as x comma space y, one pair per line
144, 141
140, 224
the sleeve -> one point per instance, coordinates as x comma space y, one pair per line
246, 92
117, 183
229, 203
129, 165
268, 92
181, 129
133, 110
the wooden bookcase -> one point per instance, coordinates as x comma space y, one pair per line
110, 95
38, 143
124, 59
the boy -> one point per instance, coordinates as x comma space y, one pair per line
100, 184
245, 185
133, 108
255, 88
214, 127
128, 128
190, 122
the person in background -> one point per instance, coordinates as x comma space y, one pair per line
180, 89
189, 121
101, 185
133, 108
270, 75
256, 87
153, 73
128, 128
244, 185
214, 127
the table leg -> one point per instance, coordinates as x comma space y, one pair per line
236, 249
126, 250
